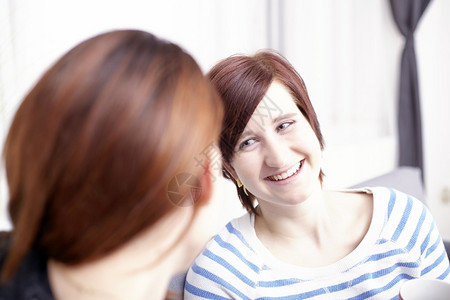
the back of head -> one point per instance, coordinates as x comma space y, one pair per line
94, 144
242, 81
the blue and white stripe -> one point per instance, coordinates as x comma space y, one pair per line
405, 245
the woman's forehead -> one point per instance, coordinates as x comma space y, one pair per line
277, 102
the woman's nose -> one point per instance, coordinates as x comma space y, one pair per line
275, 155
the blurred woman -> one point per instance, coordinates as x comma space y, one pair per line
107, 195
298, 240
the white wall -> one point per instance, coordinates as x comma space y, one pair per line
348, 53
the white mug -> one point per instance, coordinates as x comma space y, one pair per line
424, 288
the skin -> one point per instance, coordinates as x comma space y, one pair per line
298, 221
273, 144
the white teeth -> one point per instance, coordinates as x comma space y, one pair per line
290, 172
286, 174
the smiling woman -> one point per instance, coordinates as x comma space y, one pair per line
243, 82
299, 240
276, 153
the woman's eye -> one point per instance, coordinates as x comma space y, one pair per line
284, 125
246, 143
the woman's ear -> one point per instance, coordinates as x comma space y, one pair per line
206, 178
230, 171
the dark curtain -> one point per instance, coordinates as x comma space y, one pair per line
407, 14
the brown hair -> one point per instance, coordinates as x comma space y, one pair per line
94, 144
242, 82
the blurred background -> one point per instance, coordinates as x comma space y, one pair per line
348, 53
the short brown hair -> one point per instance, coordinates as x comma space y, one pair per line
242, 81
94, 144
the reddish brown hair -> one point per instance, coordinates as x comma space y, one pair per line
242, 81
94, 144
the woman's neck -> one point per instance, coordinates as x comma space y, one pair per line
110, 280
319, 231
294, 221
140, 269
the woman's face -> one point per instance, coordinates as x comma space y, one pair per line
278, 156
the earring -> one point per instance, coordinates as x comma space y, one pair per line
245, 191
239, 184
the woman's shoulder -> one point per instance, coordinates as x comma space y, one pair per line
227, 258
406, 218
398, 200
391, 206
30, 278
233, 232
231, 242
398, 206
5, 241
389, 196
5, 237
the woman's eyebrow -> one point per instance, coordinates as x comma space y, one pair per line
282, 117
248, 132
244, 135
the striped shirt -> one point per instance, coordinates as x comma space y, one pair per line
402, 243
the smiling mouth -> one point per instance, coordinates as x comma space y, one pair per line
289, 173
